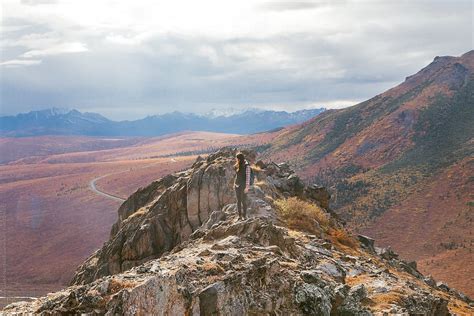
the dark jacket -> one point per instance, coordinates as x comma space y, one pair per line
242, 177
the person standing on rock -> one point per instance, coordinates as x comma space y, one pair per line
242, 183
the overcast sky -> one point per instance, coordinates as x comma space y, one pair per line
130, 58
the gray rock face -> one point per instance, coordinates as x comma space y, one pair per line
208, 300
178, 249
334, 269
386, 253
367, 242
429, 280
319, 194
312, 300
426, 305
352, 302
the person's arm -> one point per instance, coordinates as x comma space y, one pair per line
247, 178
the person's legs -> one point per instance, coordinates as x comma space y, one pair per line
244, 203
239, 201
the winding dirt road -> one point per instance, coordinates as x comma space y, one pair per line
103, 193
93, 187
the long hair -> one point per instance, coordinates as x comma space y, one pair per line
241, 161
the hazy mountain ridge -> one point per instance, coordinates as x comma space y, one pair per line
389, 151
72, 122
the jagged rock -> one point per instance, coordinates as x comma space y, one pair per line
312, 300
386, 253
178, 249
340, 293
430, 281
443, 286
319, 194
426, 305
155, 219
295, 184
358, 293
409, 267
313, 276
367, 242
333, 269
462, 296
140, 198
198, 162
351, 305
284, 167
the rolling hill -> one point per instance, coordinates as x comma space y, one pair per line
400, 165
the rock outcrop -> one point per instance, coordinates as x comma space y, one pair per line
162, 215
178, 249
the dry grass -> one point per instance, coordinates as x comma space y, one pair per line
302, 215
343, 237
381, 301
256, 168
212, 268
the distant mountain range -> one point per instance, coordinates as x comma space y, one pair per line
56, 121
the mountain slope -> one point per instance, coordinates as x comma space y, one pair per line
72, 122
390, 153
178, 249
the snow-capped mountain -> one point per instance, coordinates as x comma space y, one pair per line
57, 121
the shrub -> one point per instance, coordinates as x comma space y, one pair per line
256, 168
212, 268
302, 215
341, 236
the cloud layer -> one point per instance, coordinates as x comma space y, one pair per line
127, 60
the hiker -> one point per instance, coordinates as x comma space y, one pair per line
242, 183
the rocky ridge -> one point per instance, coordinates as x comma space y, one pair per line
178, 249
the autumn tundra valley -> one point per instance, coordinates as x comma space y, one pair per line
60, 196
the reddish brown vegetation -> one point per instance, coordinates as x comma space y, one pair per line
54, 221
434, 226
400, 166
